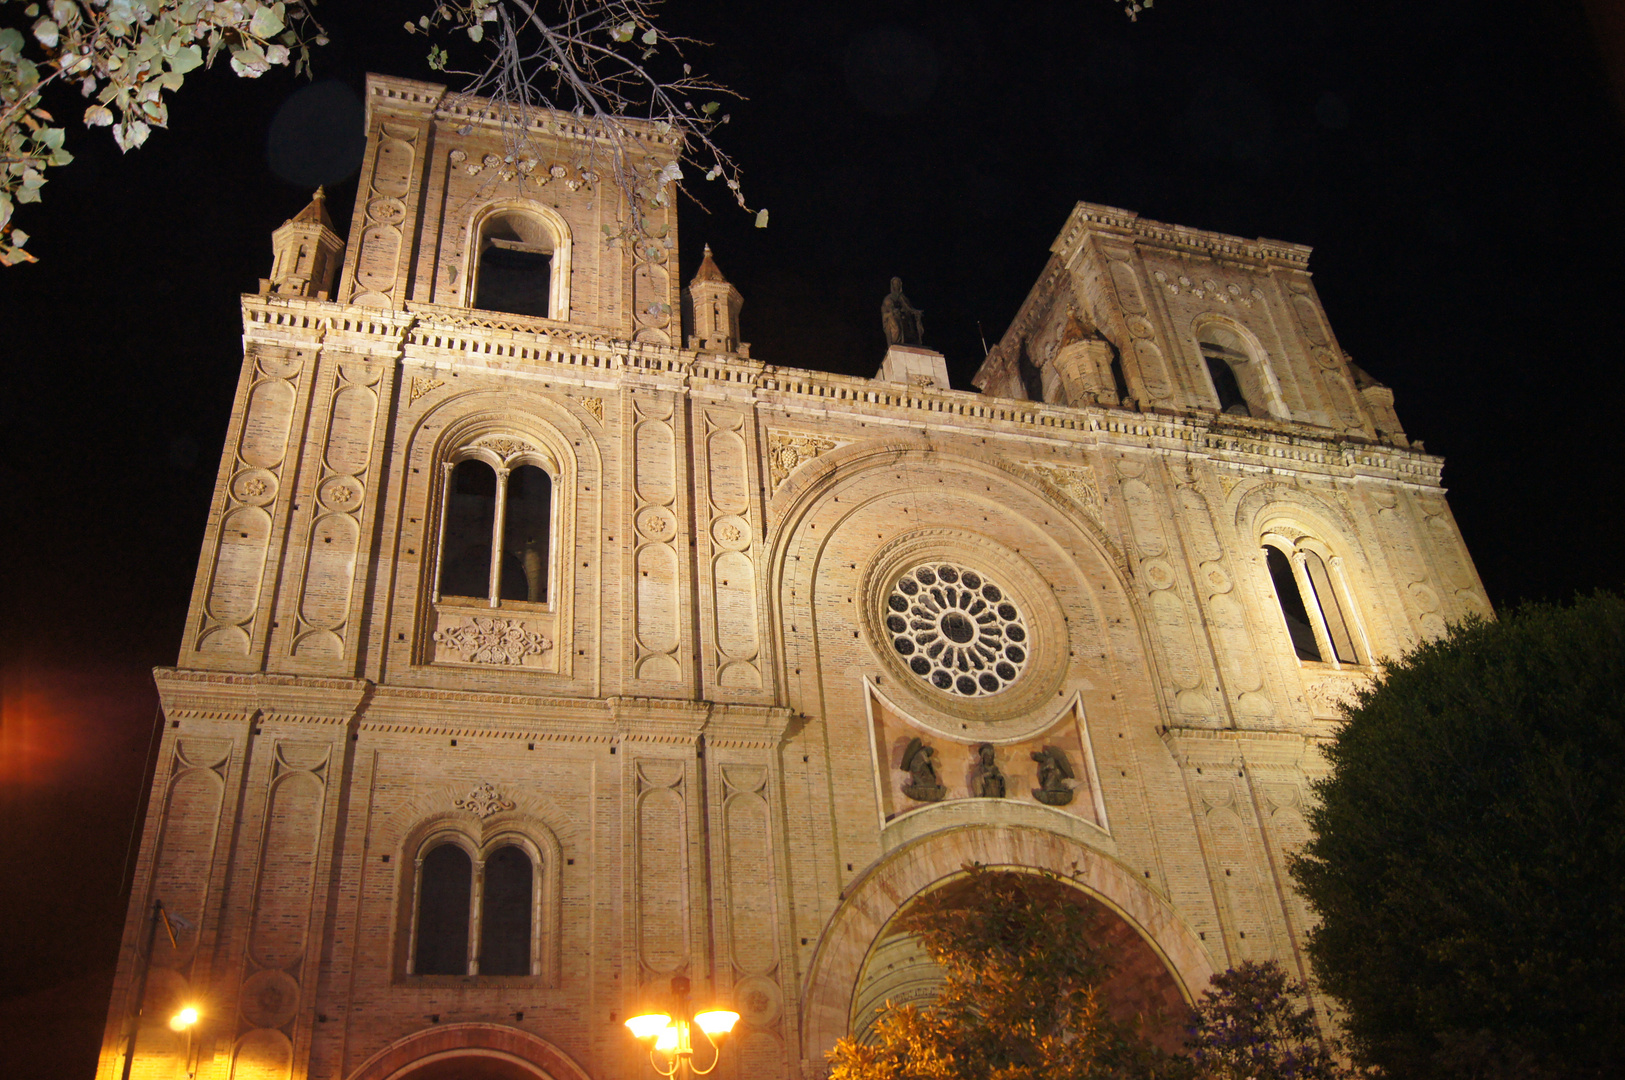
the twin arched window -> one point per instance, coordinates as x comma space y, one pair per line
496, 537
475, 918
1315, 602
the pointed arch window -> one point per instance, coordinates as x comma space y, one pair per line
496, 535
1315, 601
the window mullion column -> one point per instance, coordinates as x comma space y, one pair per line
446, 470
475, 911
1311, 605
1351, 611
499, 519
417, 904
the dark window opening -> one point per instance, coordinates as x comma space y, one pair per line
513, 278
1032, 380
443, 909
1292, 608
1337, 626
505, 913
526, 520
1225, 385
465, 568
1119, 381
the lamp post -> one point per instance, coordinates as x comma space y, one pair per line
671, 1037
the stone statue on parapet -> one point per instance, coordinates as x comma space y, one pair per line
924, 783
989, 782
903, 322
1054, 770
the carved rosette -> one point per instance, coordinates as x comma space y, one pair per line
787, 450
483, 801
481, 639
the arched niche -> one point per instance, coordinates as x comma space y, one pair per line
518, 260
875, 899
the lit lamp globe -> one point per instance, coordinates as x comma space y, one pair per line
184, 1019
671, 1035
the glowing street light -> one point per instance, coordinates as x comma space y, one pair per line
671, 1037
183, 1019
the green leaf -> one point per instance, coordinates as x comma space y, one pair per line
476, 32
11, 43
47, 33
267, 22
650, 36
18, 237
185, 60
761, 219
710, 107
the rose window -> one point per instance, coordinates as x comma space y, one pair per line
956, 629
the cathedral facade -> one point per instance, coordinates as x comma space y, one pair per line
546, 645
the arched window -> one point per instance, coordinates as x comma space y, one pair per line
496, 537
505, 913
515, 268
1314, 602
1224, 352
445, 884
479, 914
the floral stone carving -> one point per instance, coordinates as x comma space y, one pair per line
483, 801
482, 639
1077, 482
788, 449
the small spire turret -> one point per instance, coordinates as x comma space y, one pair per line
712, 313
306, 253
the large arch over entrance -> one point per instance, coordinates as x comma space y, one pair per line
470, 1051
875, 899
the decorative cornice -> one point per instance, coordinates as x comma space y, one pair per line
442, 338
1091, 217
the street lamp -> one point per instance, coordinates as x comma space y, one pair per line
672, 1036
185, 1020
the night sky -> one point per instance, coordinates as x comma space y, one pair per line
1456, 164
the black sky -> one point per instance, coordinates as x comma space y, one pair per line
1457, 165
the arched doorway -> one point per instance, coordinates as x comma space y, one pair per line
873, 901
470, 1051
1139, 989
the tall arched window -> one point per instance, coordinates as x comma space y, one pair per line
505, 913
1314, 602
1224, 352
496, 538
445, 884
515, 268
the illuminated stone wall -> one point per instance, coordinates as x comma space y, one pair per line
701, 735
